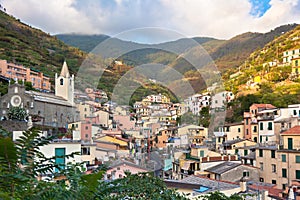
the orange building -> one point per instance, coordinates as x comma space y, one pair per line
13, 71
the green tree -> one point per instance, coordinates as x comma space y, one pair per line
204, 117
221, 196
17, 113
21, 162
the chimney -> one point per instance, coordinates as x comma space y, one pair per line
265, 195
243, 184
113, 175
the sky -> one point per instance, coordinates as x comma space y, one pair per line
221, 19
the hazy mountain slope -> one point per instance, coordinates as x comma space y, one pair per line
22, 44
235, 51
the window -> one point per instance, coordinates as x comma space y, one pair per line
246, 174
270, 126
86, 135
86, 128
272, 153
255, 129
85, 151
260, 138
261, 154
236, 151
261, 179
255, 139
290, 143
274, 182
297, 174
201, 153
283, 157
261, 166
261, 126
295, 112
273, 168
245, 152
284, 186
61, 81
297, 159
60, 158
247, 121
239, 130
283, 172
247, 132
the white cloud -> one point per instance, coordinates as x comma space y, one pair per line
215, 18
53, 16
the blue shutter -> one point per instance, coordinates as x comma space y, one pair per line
60, 154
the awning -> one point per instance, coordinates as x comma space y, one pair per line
186, 165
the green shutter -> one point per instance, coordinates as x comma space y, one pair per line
261, 126
236, 151
260, 153
290, 143
284, 173
297, 174
201, 153
272, 153
297, 159
260, 138
245, 152
283, 158
270, 126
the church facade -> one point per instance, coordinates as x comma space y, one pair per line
54, 110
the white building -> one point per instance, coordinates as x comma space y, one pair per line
220, 99
289, 55
196, 102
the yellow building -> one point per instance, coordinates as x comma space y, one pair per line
232, 147
295, 66
257, 79
112, 142
281, 166
165, 99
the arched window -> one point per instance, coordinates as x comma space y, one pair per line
61, 81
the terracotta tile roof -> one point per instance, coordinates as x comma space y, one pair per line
267, 106
272, 190
292, 131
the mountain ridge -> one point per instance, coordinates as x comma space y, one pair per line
226, 53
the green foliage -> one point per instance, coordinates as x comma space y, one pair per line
204, 117
3, 88
17, 113
220, 196
22, 162
31, 47
188, 118
137, 186
241, 105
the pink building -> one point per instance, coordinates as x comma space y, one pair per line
86, 131
118, 169
14, 71
124, 122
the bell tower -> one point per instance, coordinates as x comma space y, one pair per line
64, 84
